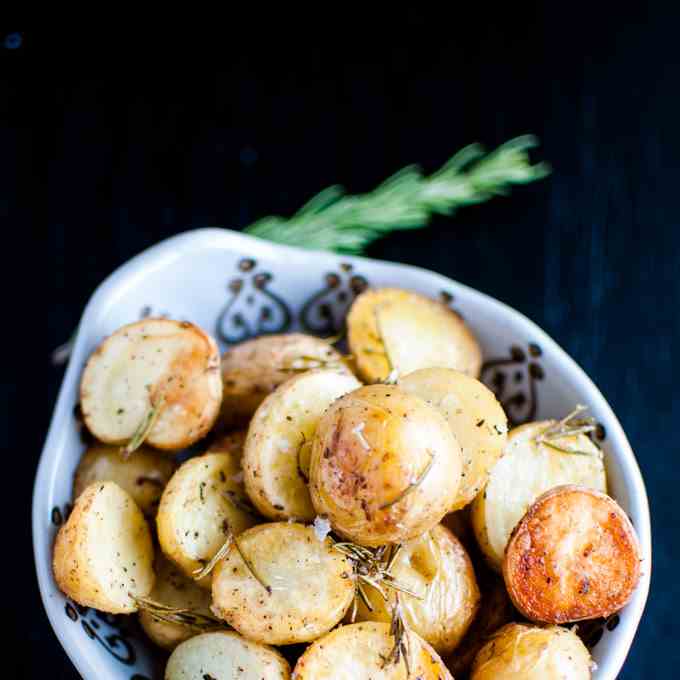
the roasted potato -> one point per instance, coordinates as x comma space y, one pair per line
173, 589
527, 469
522, 652
103, 555
435, 567
361, 651
255, 368
143, 474
476, 419
397, 330
280, 583
276, 453
225, 655
158, 373
573, 556
202, 504
385, 466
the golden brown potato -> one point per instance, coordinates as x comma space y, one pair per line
573, 556
225, 655
103, 555
522, 652
436, 567
202, 504
143, 474
361, 651
281, 584
276, 453
392, 329
253, 369
476, 419
156, 371
527, 469
175, 590
385, 466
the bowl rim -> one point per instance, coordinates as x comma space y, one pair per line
175, 247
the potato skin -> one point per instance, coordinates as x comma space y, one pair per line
201, 504
143, 363
224, 655
310, 584
143, 474
385, 466
573, 556
280, 432
174, 589
358, 651
526, 470
523, 652
253, 369
418, 332
476, 419
436, 567
104, 551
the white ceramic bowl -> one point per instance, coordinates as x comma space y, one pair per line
236, 286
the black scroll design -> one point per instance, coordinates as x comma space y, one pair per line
253, 308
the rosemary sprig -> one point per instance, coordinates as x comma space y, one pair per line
178, 615
144, 428
334, 220
413, 485
205, 570
569, 426
399, 631
251, 568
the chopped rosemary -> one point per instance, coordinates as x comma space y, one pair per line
413, 485
178, 615
569, 426
144, 428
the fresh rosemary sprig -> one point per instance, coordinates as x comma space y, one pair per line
569, 426
144, 428
399, 631
198, 574
334, 220
413, 485
178, 615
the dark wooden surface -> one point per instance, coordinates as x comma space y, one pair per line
108, 146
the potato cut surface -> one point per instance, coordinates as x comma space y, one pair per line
573, 556
307, 588
358, 652
103, 555
389, 328
143, 475
155, 363
385, 465
523, 652
277, 449
253, 369
475, 417
526, 470
225, 656
173, 589
436, 567
203, 502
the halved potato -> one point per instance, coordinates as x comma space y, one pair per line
385, 466
143, 474
155, 371
282, 584
495, 610
392, 329
573, 556
202, 504
276, 453
475, 416
173, 589
103, 555
521, 652
527, 469
436, 567
225, 655
361, 651
253, 369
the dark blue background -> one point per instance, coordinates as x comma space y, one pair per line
109, 144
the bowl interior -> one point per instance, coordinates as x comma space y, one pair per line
237, 287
